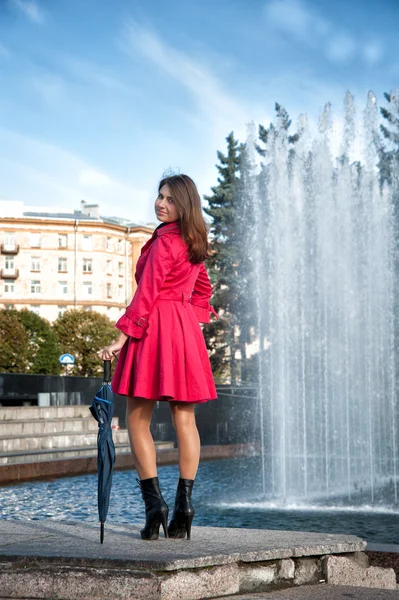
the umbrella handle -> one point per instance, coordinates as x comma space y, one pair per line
101, 533
107, 371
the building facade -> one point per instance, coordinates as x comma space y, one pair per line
51, 262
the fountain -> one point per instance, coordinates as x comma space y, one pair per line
322, 247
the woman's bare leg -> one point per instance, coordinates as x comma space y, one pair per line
188, 439
138, 420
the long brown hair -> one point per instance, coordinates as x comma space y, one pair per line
194, 229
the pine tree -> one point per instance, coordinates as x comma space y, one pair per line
283, 123
221, 335
389, 152
244, 230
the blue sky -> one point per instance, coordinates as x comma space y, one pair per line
98, 98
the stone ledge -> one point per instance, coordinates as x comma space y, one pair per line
77, 544
340, 570
65, 561
87, 583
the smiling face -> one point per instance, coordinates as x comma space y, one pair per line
165, 206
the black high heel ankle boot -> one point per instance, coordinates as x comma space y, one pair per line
183, 513
156, 509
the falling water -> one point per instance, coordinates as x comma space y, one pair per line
323, 254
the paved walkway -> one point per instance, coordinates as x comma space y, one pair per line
322, 592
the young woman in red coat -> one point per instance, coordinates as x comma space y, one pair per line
162, 350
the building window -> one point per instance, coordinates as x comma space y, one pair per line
9, 263
87, 242
88, 288
9, 241
62, 265
35, 263
120, 245
9, 286
120, 268
35, 240
87, 265
35, 287
63, 287
109, 290
120, 292
109, 267
35, 309
62, 240
9, 306
109, 244
88, 308
61, 310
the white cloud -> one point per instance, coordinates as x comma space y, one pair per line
40, 173
4, 51
91, 73
92, 177
306, 25
222, 111
295, 18
373, 52
50, 88
340, 48
30, 9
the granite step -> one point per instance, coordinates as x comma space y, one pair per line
19, 428
63, 439
14, 458
27, 413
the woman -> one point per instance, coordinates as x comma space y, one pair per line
162, 351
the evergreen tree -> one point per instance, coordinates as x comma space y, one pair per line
14, 344
389, 152
82, 333
43, 347
283, 122
244, 231
220, 335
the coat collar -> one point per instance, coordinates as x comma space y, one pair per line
164, 228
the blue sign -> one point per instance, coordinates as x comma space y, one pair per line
66, 359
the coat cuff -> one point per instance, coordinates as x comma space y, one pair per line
202, 310
132, 325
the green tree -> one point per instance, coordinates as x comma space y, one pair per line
220, 335
244, 282
43, 346
389, 147
82, 333
14, 343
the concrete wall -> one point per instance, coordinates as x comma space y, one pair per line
231, 419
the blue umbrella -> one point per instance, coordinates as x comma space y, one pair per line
102, 410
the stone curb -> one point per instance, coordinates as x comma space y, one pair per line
56, 582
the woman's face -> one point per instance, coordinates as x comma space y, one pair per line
165, 207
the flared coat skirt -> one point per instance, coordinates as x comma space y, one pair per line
170, 361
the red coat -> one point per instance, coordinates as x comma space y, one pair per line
165, 356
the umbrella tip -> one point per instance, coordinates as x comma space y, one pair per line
102, 533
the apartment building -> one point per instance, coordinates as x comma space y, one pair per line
53, 261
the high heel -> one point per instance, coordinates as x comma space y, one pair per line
184, 512
156, 509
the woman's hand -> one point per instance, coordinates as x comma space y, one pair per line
109, 352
